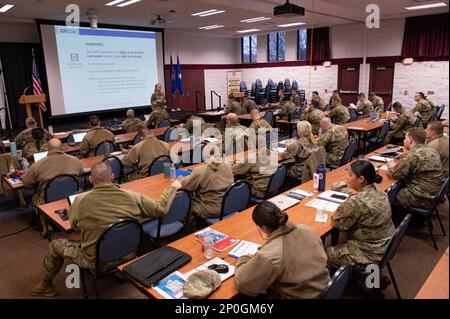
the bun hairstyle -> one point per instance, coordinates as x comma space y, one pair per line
268, 214
367, 170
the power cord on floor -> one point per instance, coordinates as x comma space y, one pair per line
17, 232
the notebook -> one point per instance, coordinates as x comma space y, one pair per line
171, 287
78, 137
39, 155
244, 248
221, 241
283, 202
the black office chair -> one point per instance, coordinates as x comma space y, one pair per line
101, 148
418, 122
157, 166
268, 116
164, 123
378, 140
171, 134
137, 139
427, 213
117, 169
440, 111
348, 154
338, 283
389, 253
60, 186
327, 108
235, 200
392, 192
276, 182
118, 240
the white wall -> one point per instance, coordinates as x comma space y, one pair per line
426, 77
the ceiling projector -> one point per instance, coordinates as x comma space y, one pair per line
288, 10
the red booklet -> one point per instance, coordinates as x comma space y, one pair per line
221, 241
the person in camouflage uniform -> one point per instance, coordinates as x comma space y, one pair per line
399, 125
334, 139
248, 104
339, 113
433, 107
91, 213
419, 170
364, 108
25, 136
321, 102
281, 96
39, 144
365, 217
422, 108
287, 107
235, 136
189, 126
258, 122
377, 103
313, 115
131, 124
297, 152
437, 140
295, 98
159, 111
235, 107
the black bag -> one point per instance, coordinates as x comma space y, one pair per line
158, 264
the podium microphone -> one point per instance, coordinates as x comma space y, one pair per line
26, 90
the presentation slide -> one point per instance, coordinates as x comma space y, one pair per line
92, 70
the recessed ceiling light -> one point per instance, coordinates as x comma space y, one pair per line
256, 19
112, 3
249, 30
127, 3
210, 27
211, 13
427, 6
6, 7
290, 24
203, 12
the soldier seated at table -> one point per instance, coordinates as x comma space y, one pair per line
234, 106
277, 269
295, 98
287, 107
131, 124
313, 115
400, 124
423, 108
234, 138
248, 104
364, 107
144, 153
338, 113
258, 122
96, 136
39, 144
25, 136
321, 103
191, 119
334, 139
437, 140
90, 214
365, 218
377, 103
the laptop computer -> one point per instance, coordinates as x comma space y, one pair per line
39, 155
283, 202
78, 137
71, 198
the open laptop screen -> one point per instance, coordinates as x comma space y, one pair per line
78, 137
39, 155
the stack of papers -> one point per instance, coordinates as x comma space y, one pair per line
221, 241
323, 205
300, 194
244, 248
283, 202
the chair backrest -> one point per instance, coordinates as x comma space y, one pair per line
276, 181
353, 116
294, 85
349, 151
101, 148
417, 122
236, 198
243, 86
168, 133
441, 193
384, 130
258, 84
327, 108
395, 241
137, 139
116, 168
70, 138
338, 283
164, 123
297, 114
157, 166
60, 186
118, 240
392, 192
440, 111
388, 108
433, 117
268, 116
179, 210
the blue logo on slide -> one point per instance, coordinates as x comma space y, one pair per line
68, 30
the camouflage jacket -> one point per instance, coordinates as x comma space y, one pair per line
335, 141
425, 110
314, 117
339, 114
364, 109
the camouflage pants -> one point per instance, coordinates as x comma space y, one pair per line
334, 158
394, 137
59, 249
157, 116
345, 254
406, 199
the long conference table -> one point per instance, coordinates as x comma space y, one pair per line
241, 226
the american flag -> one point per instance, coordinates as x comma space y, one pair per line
37, 87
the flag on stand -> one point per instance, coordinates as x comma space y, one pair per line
179, 78
37, 86
173, 79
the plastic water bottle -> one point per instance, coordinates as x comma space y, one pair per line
322, 172
13, 148
315, 182
208, 242
173, 172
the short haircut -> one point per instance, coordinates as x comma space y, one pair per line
336, 98
315, 92
101, 172
421, 95
316, 104
361, 95
418, 135
30, 121
437, 127
372, 94
397, 105
94, 120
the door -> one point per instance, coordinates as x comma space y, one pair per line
382, 81
193, 81
348, 83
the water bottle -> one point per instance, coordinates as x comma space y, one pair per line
322, 172
13, 148
315, 182
25, 164
173, 172
208, 242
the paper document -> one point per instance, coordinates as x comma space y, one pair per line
171, 287
302, 192
323, 204
353, 106
244, 248
283, 202
213, 261
281, 150
147, 117
380, 159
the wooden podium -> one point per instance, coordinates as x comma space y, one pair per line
28, 100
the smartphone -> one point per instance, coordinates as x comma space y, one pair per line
341, 197
63, 214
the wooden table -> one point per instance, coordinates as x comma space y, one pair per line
241, 226
436, 285
212, 116
362, 127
